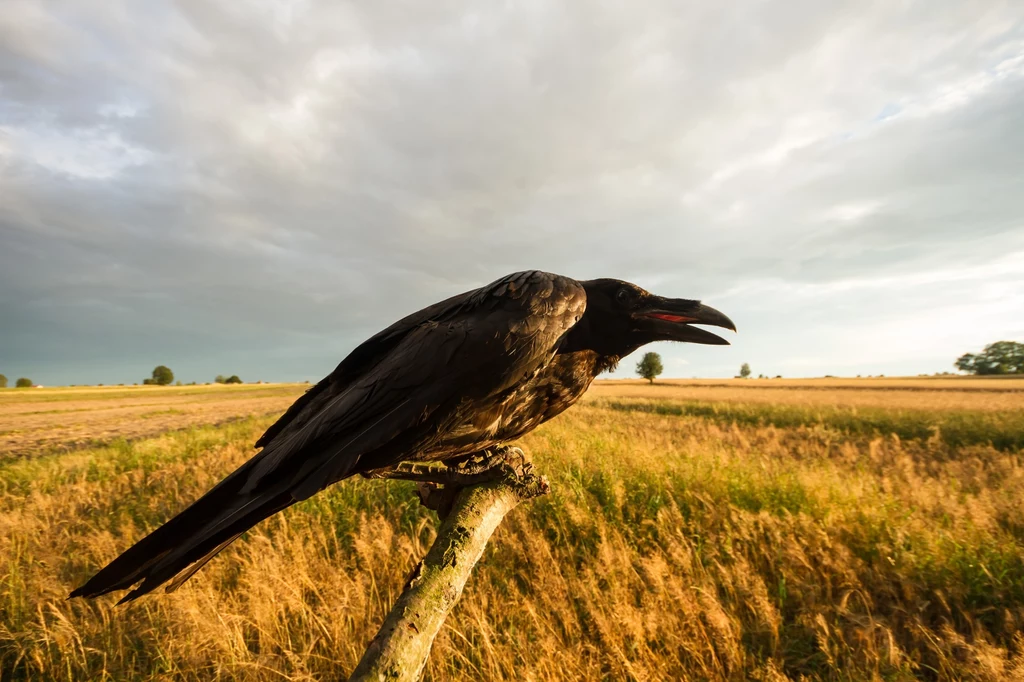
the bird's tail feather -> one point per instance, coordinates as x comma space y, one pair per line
184, 544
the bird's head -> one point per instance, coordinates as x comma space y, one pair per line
620, 317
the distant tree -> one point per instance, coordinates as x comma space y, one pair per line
3, 381
649, 366
23, 383
162, 376
233, 379
744, 370
221, 379
1001, 357
966, 363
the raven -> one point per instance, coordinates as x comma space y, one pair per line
460, 377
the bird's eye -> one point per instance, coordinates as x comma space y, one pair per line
623, 296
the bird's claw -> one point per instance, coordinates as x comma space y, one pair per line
494, 459
437, 486
438, 489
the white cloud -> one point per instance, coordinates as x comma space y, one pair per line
91, 153
851, 212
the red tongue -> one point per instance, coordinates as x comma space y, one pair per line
673, 318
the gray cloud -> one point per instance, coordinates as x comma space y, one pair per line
255, 187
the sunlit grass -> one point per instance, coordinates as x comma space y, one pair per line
955, 428
677, 544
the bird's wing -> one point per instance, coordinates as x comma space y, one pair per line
362, 358
477, 345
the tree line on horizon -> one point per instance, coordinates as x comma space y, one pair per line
999, 358
22, 382
161, 376
650, 367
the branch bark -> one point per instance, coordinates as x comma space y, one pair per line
400, 649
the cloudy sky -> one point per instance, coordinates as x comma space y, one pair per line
255, 187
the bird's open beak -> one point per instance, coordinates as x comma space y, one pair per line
672, 320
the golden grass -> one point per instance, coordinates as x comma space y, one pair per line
1002, 382
672, 547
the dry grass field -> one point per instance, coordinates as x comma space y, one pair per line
906, 394
34, 420
723, 530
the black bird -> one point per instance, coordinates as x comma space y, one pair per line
460, 377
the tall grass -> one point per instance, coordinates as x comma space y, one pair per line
673, 546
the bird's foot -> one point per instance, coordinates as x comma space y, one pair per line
480, 463
479, 467
438, 486
473, 469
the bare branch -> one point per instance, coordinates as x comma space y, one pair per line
399, 651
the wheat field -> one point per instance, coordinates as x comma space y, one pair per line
817, 530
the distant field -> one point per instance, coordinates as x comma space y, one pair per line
989, 383
759, 529
957, 412
916, 394
34, 420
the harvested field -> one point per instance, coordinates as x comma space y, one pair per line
899, 394
34, 421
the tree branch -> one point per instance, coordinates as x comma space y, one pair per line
399, 651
